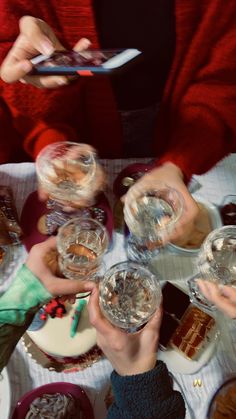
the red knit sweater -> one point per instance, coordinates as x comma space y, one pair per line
196, 125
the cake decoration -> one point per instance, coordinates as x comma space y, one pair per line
76, 317
38, 320
55, 341
55, 308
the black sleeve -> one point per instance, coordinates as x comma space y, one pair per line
148, 396
10, 335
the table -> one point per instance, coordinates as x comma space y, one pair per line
25, 374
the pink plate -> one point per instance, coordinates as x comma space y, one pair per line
77, 392
34, 209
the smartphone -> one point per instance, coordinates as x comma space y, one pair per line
84, 63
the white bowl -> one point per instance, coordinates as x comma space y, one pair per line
215, 220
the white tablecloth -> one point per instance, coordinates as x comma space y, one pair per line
25, 374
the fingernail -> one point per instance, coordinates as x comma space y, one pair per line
46, 47
86, 42
23, 81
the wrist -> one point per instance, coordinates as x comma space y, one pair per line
173, 168
135, 368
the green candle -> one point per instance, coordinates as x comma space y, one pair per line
76, 317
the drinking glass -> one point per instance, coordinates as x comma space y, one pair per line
216, 262
129, 294
66, 170
151, 218
81, 244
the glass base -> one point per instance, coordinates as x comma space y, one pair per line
137, 251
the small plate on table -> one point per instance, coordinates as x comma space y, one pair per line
5, 395
177, 363
74, 390
189, 324
128, 176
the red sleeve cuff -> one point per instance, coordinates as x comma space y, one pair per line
43, 135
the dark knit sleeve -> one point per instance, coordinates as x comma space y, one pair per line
148, 396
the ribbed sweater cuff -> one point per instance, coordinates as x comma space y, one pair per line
155, 383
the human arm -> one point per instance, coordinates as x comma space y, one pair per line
223, 296
199, 100
141, 384
196, 124
34, 285
35, 37
35, 117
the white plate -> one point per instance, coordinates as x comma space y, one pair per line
5, 395
179, 364
177, 269
215, 220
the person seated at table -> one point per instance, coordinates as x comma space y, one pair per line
141, 384
176, 105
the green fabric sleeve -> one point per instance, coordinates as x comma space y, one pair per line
17, 308
148, 396
25, 292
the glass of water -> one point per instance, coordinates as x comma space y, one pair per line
66, 170
216, 262
151, 218
81, 244
129, 295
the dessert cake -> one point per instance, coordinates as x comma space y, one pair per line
67, 338
193, 332
184, 327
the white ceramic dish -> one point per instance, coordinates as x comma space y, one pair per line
5, 395
179, 364
176, 362
215, 219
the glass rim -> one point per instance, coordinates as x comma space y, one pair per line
206, 245
125, 326
134, 265
130, 218
86, 219
58, 144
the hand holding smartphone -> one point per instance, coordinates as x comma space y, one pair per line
84, 63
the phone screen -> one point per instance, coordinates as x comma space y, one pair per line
175, 303
69, 62
74, 59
